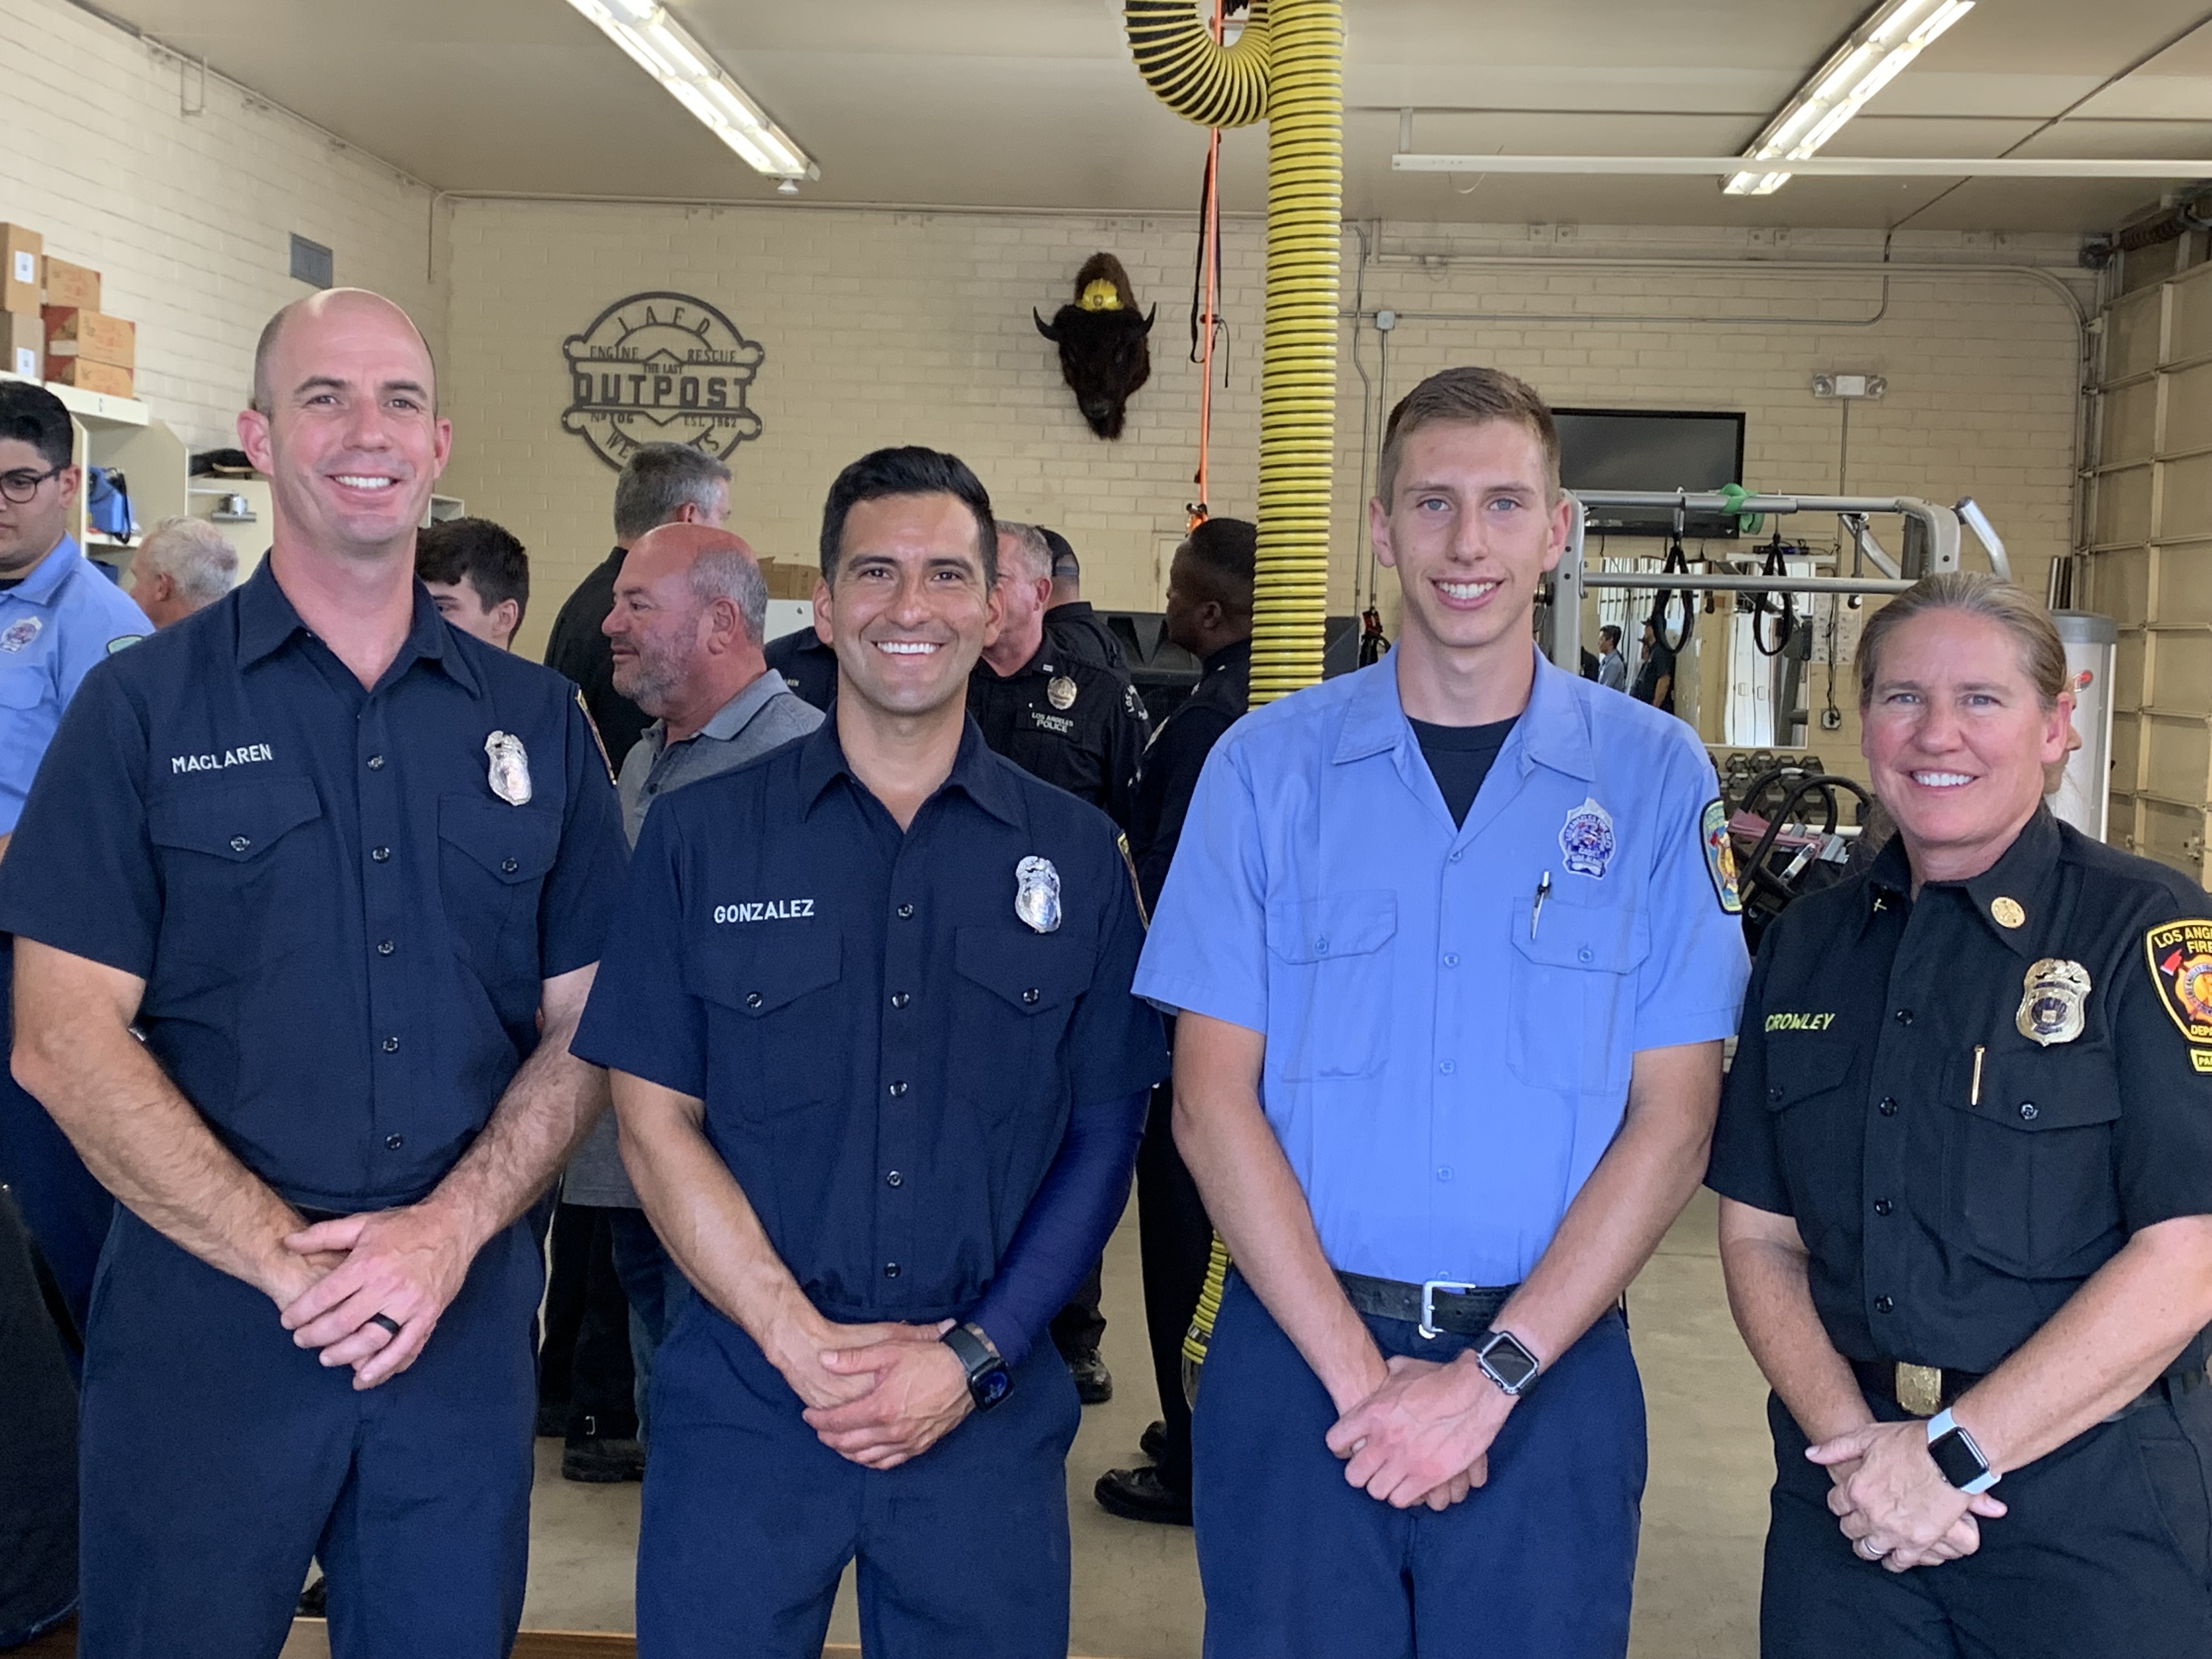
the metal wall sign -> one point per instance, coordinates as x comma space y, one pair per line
660, 369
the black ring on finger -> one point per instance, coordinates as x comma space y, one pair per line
387, 1321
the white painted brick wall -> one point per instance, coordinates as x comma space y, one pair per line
887, 327
188, 217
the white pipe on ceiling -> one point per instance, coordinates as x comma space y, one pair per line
1835, 167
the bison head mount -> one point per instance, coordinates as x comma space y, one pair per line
1102, 351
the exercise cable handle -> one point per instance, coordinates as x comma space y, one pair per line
1762, 604
1677, 564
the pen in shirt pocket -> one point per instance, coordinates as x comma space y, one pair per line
1536, 908
1974, 1096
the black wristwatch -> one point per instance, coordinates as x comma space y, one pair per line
1507, 1361
1959, 1460
988, 1380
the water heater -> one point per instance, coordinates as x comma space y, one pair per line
2085, 792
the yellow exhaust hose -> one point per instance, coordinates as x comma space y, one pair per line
1288, 67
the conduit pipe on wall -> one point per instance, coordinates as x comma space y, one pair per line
1287, 67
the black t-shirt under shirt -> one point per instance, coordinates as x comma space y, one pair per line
1460, 758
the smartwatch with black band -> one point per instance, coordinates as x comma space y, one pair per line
1506, 1361
988, 1380
1956, 1454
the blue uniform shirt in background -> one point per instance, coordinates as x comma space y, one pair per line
55, 624
889, 1055
342, 927
1447, 1058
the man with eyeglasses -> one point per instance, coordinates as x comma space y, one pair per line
58, 616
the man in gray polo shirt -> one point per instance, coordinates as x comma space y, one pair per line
690, 606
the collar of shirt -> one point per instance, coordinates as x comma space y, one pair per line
976, 772
733, 716
267, 622
1037, 663
1553, 731
44, 583
1228, 657
2026, 873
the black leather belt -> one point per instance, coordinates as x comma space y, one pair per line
1911, 1388
1440, 1307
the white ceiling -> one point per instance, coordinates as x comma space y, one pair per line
1034, 103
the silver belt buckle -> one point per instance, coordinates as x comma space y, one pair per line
1428, 1288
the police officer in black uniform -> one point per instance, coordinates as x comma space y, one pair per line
1074, 629
1077, 727
1209, 614
808, 664
305, 903
1965, 1165
881, 1079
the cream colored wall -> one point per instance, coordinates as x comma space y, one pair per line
887, 327
188, 217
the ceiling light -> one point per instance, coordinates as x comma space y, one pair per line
653, 39
1879, 49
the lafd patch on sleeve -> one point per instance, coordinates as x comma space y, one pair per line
1720, 857
2180, 957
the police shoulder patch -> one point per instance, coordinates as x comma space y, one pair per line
1136, 888
2179, 955
122, 641
606, 759
1720, 857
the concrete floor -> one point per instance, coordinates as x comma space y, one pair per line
1136, 1591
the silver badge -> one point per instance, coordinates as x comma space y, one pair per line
1061, 693
510, 768
2050, 1003
1036, 894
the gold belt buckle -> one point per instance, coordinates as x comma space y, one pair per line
1920, 1389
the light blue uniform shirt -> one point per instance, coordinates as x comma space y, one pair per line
1446, 1059
55, 625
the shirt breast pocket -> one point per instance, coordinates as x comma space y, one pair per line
492, 861
1569, 1017
1017, 995
233, 870
2028, 1172
25, 687
772, 1021
1819, 1129
1329, 1002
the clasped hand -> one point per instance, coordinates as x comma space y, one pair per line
406, 1264
1423, 1434
1893, 1503
879, 1394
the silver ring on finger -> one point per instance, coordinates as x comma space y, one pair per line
1865, 1551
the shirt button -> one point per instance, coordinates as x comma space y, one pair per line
380, 854
376, 763
890, 1270
1882, 1207
393, 1143
510, 866
900, 999
906, 913
1454, 859
392, 1045
384, 947
1321, 947
1446, 1067
893, 1179
753, 999
1451, 959
1883, 1305
1444, 1173
1905, 1017
2027, 1110
238, 843
1583, 954
1889, 1106
1774, 1092
898, 1090
1031, 995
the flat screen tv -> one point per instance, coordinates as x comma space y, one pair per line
1648, 449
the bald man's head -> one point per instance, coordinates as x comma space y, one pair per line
326, 304
689, 608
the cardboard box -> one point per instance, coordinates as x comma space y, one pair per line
789, 581
88, 376
19, 253
76, 286
73, 331
25, 341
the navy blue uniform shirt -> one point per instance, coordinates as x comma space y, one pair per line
343, 929
1969, 1099
888, 1054
808, 666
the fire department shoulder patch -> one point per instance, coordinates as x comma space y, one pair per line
2179, 954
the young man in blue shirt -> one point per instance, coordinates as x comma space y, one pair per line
1452, 972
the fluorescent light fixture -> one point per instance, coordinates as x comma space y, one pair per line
1895, 34
651, 38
